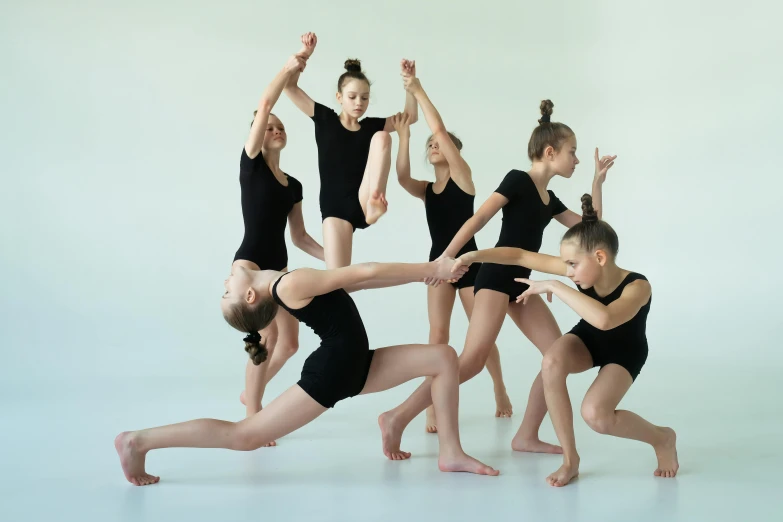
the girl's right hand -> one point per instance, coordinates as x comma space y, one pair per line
309, 41
296, 63
465, 260
401, 124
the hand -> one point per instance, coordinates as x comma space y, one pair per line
296, 63
411, 84
308, 44
465, 260
536, 287
602, 165
401, 122
408, 68
444, 269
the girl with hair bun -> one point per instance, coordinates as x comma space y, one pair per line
613, 304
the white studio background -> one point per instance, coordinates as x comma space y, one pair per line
123, 125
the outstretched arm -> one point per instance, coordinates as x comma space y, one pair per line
292, 89
302, 285
414, 187
255, 139
514, 256
603, 317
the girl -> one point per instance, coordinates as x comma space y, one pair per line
449, 204
354, 156
269, 197
343, 366
613, 303
527, 209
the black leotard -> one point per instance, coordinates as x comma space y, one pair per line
339, 367
265, 208
342, 158
525, 217
447, 211
625, 345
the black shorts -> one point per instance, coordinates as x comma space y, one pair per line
501, 279
336, 371
631, 357
346, 208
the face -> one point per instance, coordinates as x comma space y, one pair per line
434, 155
237, 286
354, 98
275, 137
565, 161
584, 268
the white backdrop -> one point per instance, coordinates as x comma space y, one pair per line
123, 125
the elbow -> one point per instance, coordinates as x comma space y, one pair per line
604, 322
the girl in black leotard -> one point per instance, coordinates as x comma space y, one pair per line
449, 204
527, 209
354, 156
270, 197
343, 366
613, 304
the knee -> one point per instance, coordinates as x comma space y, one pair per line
469, 367
599, 419
553, 364
439, 335
381, 139
244, 439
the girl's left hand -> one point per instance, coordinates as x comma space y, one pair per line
602, 166
536, 288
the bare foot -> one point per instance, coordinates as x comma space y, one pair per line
432, 425
503, 404
391, 435
132, 460
564, 475
667, 455
466, 463
376, 207
534, 446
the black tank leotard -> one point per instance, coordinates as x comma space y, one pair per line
447, 211
339, 367
342, 158
625, 345
525, 217
265, 208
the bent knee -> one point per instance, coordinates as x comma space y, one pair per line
244, 439
554, 362
599, 419
381, 139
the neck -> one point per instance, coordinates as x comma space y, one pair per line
348, 121
611, 276
263, 280
272, 158
442, 172
540, 174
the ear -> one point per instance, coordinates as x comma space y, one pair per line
339, 97
251, 296
601, 256
549, 152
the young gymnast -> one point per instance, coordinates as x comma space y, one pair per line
269, 198
449, 204
343, 366
613, 304
354, 156
527, 209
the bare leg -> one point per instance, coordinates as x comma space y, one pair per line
440, 303
256, 377
538, 324
484, 327
503, 406
338, 242
372, 191
289, 412
600, 413
398, 364
567, 355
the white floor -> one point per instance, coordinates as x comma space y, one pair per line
59, 462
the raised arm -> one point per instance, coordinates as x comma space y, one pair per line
570, 218
408, 69
414, 187
255, 139
514, 256
460, 170
292, 89
298, 288
603, 317
299, 236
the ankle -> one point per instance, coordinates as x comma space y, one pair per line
571, 459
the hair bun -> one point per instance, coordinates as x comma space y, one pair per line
546, 111
588, 212
256, 351
353, 65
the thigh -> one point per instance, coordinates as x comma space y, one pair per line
395, 365
440, 303
290, 411
338, 242
489, 311
608, 389
378, 158
536, 321
569, 353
